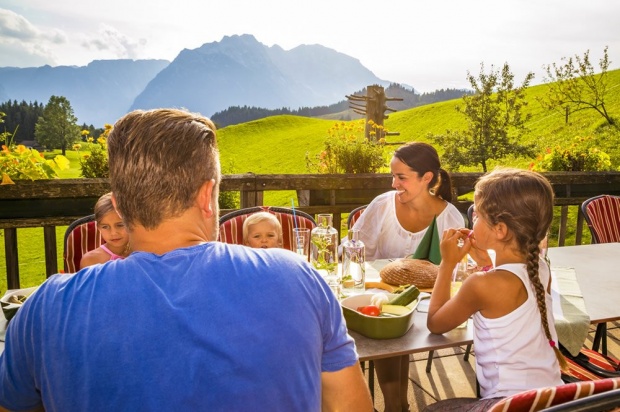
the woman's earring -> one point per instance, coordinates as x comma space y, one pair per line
432, 191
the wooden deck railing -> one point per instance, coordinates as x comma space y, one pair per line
51, 203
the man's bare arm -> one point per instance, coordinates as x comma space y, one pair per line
346, 390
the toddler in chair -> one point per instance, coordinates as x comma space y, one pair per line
262, 230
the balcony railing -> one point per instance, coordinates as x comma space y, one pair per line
51, 203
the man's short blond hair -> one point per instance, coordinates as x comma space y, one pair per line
258, 217
159, 159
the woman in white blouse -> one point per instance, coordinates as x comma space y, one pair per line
393, 225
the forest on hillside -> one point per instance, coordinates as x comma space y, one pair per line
242, 114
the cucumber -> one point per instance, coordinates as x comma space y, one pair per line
395, 310
406, 296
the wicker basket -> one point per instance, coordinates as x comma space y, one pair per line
421, 273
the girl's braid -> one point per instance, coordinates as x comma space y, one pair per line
533, 252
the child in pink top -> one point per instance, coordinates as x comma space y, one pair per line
113, 233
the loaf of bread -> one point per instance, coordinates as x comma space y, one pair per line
419, 272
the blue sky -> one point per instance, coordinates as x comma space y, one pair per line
426, 44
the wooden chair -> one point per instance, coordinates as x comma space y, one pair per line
231, 224
602, 215
589, 365
80, 237
354, 215
539, 399
470, 216
603, 401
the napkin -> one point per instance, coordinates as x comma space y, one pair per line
429, 245
572, 321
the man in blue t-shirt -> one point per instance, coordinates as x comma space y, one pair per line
184, 323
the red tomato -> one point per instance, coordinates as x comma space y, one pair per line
369, 310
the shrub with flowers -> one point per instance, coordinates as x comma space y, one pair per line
17, 162
348, 151
95, 164
580, 156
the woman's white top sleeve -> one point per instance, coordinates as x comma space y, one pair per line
383, 235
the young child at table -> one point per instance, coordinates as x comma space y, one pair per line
514, 332
113, 233
262, 230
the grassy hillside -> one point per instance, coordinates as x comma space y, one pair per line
279, 144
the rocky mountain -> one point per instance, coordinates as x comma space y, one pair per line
99, 93
239, 71
236, 71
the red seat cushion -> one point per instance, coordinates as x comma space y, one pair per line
82, 239
589, 365
538, 399
604, 214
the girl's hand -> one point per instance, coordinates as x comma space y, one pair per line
481, 256
454, 246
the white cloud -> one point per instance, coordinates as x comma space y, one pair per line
22, 44
112, 41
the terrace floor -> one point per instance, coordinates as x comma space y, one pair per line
451, 376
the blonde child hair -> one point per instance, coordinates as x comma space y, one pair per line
258, 217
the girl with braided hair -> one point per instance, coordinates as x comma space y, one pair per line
514, 333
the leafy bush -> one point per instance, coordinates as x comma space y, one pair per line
348, 151
95, 164
580, 156
17, 162
229, 200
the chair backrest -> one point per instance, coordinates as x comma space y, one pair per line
80, 237
602, 214
231, 224
470, 216
604, 401
354, 215
539, 399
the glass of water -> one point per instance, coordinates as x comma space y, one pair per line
301, 242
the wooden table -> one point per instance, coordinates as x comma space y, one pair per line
597, 268
417, 339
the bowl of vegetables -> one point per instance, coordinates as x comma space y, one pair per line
13, 300
381, 315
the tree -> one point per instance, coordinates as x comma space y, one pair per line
574, 86
21, 118
495, 122
57, 128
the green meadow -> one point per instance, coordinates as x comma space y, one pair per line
278, 145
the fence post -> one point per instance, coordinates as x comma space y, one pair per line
51, 254
12, 265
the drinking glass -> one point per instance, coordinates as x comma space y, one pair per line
458, 276
301, 242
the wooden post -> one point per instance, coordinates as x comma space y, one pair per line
12, 265
51, 255
375, 107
